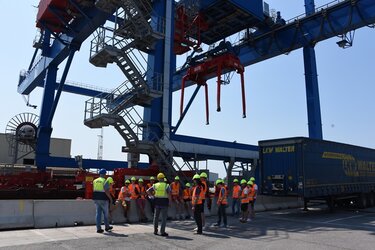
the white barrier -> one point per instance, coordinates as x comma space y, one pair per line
16, 214
61, 213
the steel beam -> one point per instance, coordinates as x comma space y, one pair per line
304, 31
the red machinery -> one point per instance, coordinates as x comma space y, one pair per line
214, 65
185, 28
55, 15
64, 183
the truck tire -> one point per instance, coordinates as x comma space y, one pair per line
371, 199
362, 201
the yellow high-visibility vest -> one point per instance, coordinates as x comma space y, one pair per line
99, 184
161, 190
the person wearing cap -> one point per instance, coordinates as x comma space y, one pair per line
244, 201
222, 203
197, 202
236, 193
141, 201
101, 197
162, 193
186, 196
151, 197
124, 198
203, 179
176, 196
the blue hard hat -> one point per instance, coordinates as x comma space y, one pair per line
102, 171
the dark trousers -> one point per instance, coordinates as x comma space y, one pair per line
164, 214
152, 204
222, 213
198, 210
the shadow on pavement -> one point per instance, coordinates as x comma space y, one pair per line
178, 238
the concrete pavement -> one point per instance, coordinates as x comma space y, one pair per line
283, 229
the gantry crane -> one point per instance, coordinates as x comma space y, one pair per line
127, 30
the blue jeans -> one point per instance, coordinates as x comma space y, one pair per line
101, 207
235, 206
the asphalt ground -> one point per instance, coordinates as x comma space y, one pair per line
283, 229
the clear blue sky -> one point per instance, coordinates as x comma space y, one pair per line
275, 91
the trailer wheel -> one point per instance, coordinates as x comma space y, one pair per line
362, 201
331, 203
371, 199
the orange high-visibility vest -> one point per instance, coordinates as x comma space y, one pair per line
251, 194
236, 191
134, 191
245, 197
204, 189
186, 194
142, 192
197, 199
124, 192
175, 188
222, 200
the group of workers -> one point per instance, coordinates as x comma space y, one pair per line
188, 199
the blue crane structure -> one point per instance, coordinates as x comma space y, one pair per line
125, 31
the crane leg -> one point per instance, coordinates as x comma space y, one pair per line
243, 95
207, 110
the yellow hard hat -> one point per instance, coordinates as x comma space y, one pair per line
152, 178
187, 185
196, 176
176, 178
203, 175
127, 182
218, 181
160, 176
243, 181
235, 180
252, 179
133, 178
250, 183
140, 180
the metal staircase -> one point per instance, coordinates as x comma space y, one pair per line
134, 33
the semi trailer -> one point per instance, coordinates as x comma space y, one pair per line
318, 170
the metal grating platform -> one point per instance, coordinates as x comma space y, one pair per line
225, 18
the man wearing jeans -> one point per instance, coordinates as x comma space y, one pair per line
101, 197
162, 193
236, 193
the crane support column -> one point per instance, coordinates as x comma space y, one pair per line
312, 88
45, 129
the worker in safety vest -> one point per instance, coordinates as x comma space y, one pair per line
124, 198
255, 186
186, 196
252, 196
244, 201
162, 198
151, 197
112, 206
141, 201
203, 179
222, 203
236, 193
176, 197
101, 196
197, 202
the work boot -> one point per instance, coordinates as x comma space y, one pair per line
108, 229
164, 234
99, 231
